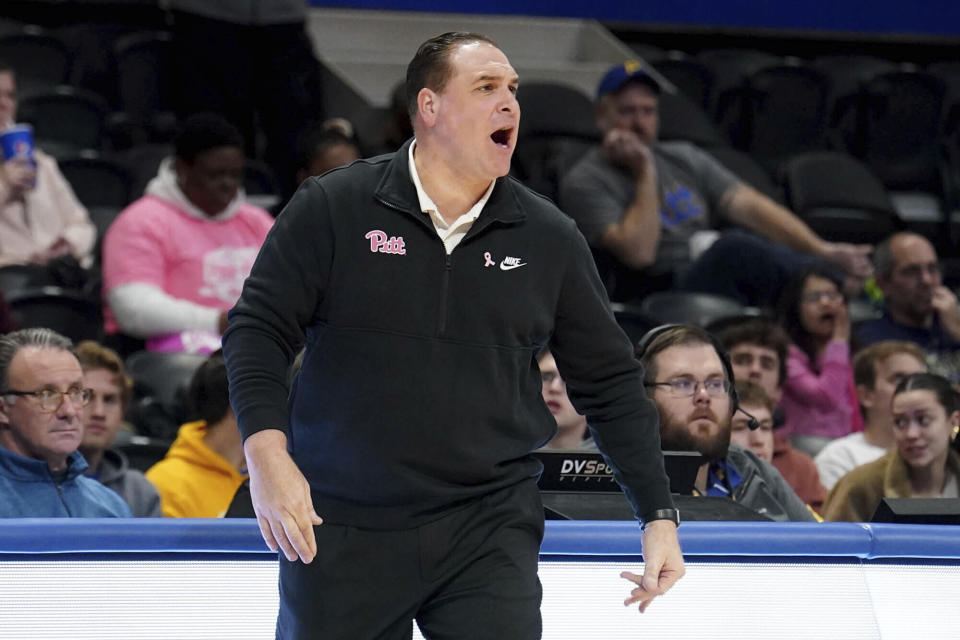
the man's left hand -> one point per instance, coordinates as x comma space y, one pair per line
854, 259
663, 564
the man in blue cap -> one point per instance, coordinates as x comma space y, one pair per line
648, 203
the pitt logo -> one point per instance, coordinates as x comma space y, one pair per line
379, 243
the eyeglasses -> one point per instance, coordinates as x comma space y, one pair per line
816, 296
916, 271
50, 399
686, 387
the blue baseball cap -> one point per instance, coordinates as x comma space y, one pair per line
620, 75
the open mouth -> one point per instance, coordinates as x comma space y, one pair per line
501, 137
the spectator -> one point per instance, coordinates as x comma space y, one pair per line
204, 466
174, 261
105, 376
689, 380
877, 370
755, 402
397, 127
818, 399
917, 307
758, 354
40, 217
41, 426
926, 417
571, 426
643, 202
325, 147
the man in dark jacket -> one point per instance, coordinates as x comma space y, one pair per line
423, 284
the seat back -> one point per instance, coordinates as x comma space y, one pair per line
902, 117
682, 119
144, 81
72, 119
556, 129
42, 59
162, 375
692, 77
785, 112
97, 181
839, 197
68, 312
700, 309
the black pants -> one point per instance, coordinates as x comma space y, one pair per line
471, 575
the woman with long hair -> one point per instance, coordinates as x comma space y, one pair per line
926, 418
819, 397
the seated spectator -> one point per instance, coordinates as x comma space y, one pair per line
40, 217
818, 394
42, 395
571, 426
755, 404
326, 147
205, 465
644, 202
175, 260
105, 376
397, 127
688, 380
917, 307
758, 354
926, 417
877, 370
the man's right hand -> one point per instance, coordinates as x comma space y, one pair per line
281, 497
624, 147
841, 324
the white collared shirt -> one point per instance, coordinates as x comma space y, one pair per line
451, 234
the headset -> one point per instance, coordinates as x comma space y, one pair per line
650, 336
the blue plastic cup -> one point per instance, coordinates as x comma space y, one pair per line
17, 142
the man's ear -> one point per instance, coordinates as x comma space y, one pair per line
427, 106
4, 412
865, 396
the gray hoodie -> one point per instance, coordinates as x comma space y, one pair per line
139, 494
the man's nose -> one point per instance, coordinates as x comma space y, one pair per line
67, 408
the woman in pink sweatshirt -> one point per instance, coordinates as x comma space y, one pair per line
819, 398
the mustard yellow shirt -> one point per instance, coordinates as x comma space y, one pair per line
193, 480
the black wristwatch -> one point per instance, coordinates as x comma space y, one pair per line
661, 514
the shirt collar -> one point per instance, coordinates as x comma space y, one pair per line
428, 206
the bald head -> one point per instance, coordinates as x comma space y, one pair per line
908, 272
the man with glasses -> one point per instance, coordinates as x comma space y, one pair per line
690, 383
42, 395
917, 307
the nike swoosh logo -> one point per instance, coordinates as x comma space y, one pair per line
508, 267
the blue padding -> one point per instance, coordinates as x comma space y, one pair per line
563, 538
73, 535
714, 539
915, 541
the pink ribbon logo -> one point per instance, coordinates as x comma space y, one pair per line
488, 259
